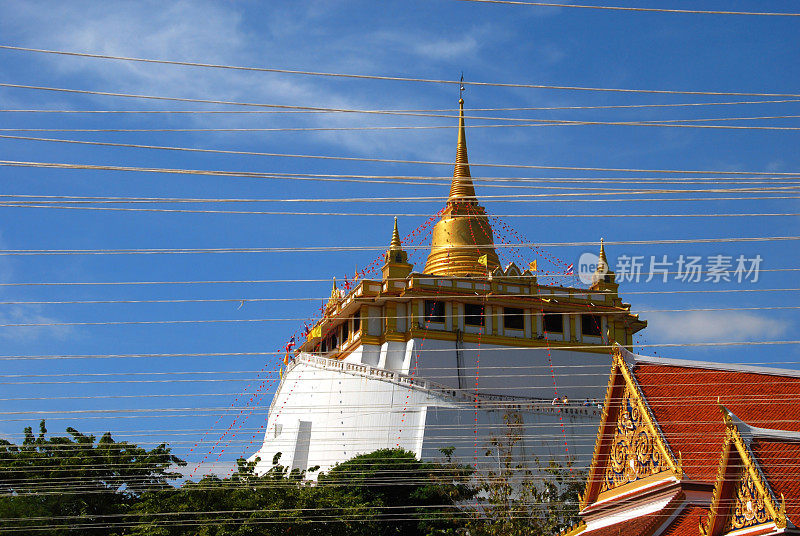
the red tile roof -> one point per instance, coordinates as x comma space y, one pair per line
684, 402
687, 523
780, 463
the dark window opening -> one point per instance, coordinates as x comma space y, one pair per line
513, 318
590, 325
434, 311
357, 321
473, 314
398, 258
345, 330
554, 322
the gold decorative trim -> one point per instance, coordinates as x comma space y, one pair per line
574, 530
634, 455
584, 497
658, 445
753, 501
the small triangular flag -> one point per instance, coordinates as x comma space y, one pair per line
532, 266
484, 260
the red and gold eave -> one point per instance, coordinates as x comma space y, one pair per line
754, 477
631, 454
681, 412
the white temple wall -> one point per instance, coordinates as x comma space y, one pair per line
347, 415
323, 417
504, 370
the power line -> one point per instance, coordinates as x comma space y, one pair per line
517, 122
636, 9
392, 111
574, 191
154, 251
383, 160
388, 78
406, 214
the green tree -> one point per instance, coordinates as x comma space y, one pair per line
520, 499
68, 481
387, 492
243, 504
404, 495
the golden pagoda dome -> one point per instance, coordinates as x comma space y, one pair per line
462, 243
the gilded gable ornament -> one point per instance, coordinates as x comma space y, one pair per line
634, 454
749, 507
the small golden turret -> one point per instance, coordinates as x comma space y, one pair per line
395, 261
463, 234
395, 244
603, 277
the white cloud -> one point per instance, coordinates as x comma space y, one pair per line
30, 314
714, 326
447, 48
210, 32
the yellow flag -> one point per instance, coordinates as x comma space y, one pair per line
484, 260
315, 333
532, 266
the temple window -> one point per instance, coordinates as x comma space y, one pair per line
590, 325
513, 318
473, 314
554, 322
434, 311
345, 330
357, 321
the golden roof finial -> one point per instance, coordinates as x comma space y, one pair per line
603, 258
461, 189
395, 244
462, 243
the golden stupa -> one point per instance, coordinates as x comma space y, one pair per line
463, 235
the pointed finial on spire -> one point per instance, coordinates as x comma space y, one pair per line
461, 189
603, 258
395, 244
461, 89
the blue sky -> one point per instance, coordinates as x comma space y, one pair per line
425, 39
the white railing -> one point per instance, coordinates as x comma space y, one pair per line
482, 400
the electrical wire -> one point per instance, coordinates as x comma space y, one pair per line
387, 78
313, 249
390, 111
636, 9
378, 160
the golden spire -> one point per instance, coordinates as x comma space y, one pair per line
395, 261
602, 261
395, 244
603, 273
462, 243
461, 189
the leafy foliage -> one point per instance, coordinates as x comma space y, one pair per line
65, 477
80, 485
520, 500
385, 492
